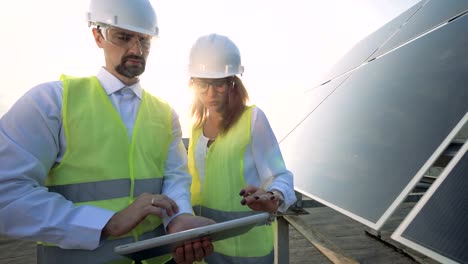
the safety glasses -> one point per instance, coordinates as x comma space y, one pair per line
202, 85
124, 38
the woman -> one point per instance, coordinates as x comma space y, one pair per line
233, 151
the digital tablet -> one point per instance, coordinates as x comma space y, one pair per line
158, 246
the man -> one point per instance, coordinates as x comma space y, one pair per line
88, 164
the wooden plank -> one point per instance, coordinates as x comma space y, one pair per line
325, 246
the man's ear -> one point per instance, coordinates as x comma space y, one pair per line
98, 37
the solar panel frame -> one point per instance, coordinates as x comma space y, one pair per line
398, 235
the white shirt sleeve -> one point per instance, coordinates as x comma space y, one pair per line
269, 160
29, 146
177, 180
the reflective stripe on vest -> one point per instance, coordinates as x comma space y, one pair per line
100, 166
82, 192
224, 178
221, 216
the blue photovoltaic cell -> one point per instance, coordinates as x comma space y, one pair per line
439, 228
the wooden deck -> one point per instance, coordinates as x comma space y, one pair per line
334, 236
353, 242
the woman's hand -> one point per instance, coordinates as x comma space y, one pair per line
258, 199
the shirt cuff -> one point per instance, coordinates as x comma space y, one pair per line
289, 198
85, 231
187, 209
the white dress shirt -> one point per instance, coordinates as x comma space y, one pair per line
263, 163
32, 141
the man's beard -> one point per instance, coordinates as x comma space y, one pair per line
131, 71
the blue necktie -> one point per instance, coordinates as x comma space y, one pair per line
126, 109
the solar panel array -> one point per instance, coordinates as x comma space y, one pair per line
359, 148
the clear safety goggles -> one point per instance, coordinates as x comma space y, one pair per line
202, 85
124, 38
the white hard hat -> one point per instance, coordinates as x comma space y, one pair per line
134, 15
214, 56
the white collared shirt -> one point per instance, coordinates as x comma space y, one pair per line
32, 141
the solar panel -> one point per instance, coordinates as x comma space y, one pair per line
302, 104
438, 224
366, 47
432, 14
359, 150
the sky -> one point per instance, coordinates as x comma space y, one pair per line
285, 46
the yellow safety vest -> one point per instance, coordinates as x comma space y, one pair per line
102, 168
220, 200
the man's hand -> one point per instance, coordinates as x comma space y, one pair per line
146, 204
194, 250
258, 199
